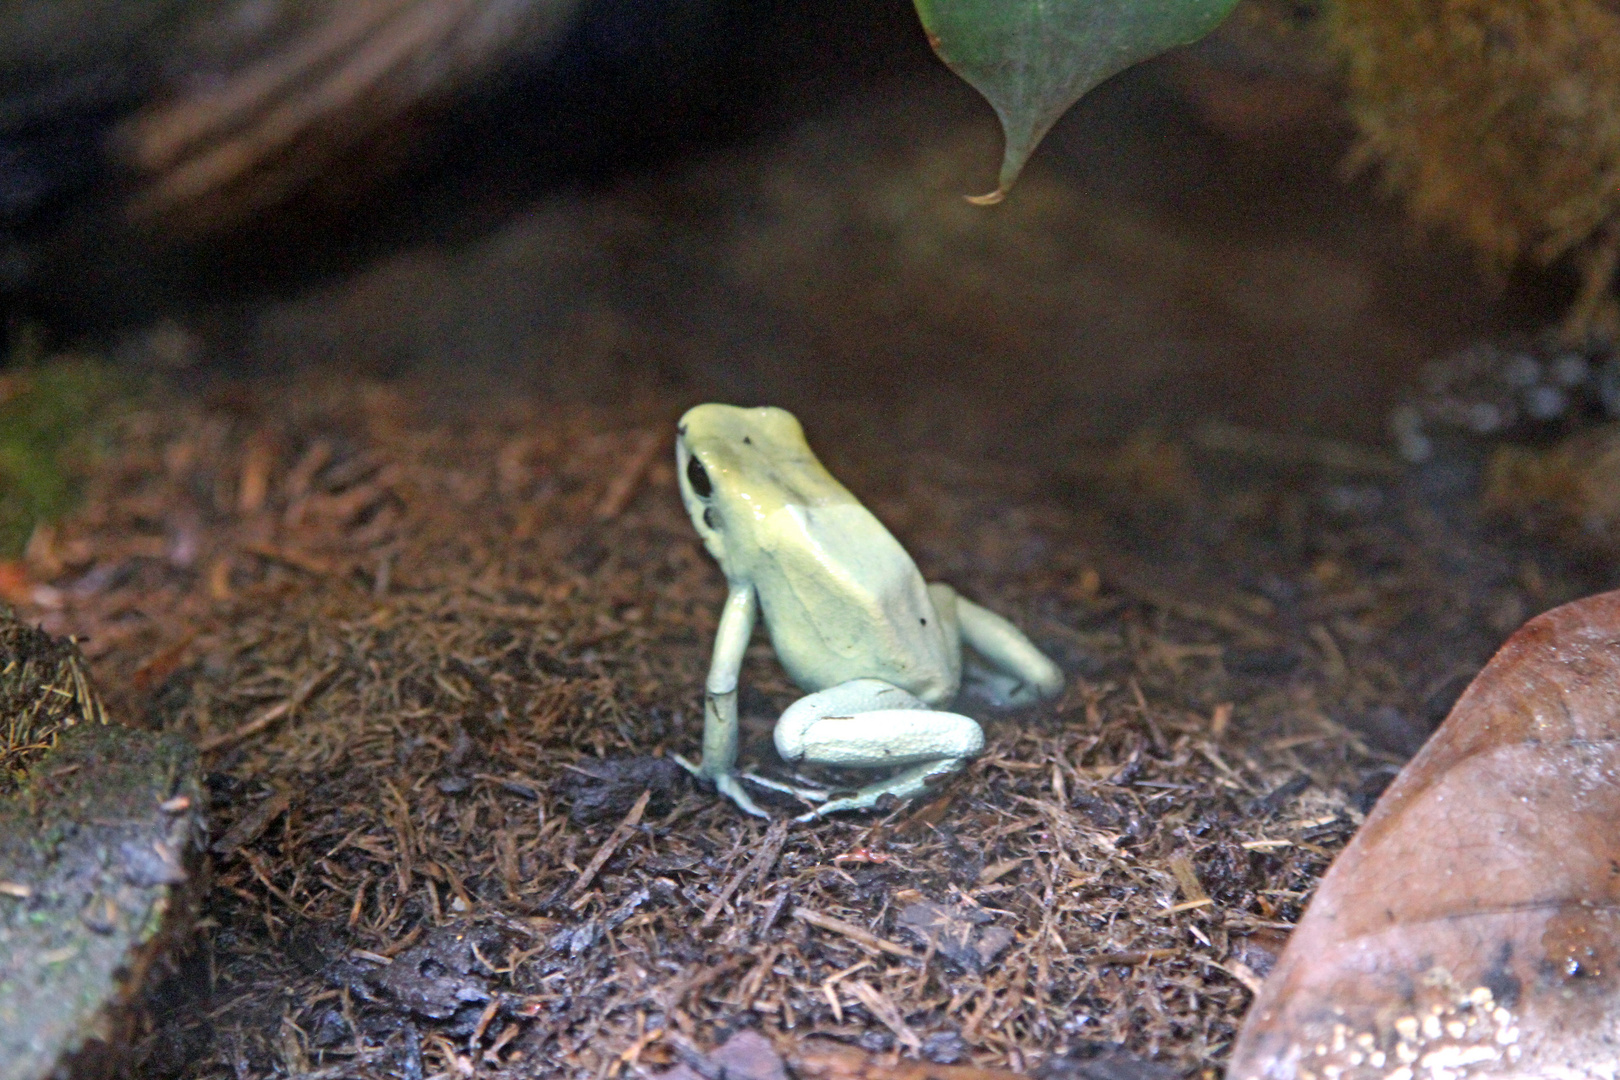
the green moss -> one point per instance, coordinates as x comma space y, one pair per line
53, 418
1500, 119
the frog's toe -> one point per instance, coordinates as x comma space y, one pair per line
727, 784
866, 799
876, 797
798, 791
832, 806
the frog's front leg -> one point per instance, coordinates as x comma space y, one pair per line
1016, 672
719, 764
872, 724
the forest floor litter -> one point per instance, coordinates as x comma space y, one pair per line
436, 660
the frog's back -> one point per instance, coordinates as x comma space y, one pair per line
840, 596
843, 600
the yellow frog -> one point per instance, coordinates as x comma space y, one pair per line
849, 615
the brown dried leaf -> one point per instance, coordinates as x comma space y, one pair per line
250, 825
1476, 917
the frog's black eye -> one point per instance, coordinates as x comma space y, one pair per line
698, 477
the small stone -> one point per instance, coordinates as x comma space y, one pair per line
1545, 402
944, 1048
1570, 369
1352, 499
1485, 417
1406, 425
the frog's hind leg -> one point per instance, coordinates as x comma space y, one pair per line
1013, 671
872, 724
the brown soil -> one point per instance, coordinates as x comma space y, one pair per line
436, 667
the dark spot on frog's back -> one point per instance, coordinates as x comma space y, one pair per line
747, 441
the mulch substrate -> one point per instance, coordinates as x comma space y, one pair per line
436, 661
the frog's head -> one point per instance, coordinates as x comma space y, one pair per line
737, 467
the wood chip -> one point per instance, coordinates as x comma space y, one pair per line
254, 822
644, 446
275, 712
884, 1010
255, 482
621, 833
758, 867
1294, 450
1187, 877
298, 560
823, 1059
996, 871
862, 937
1135, 956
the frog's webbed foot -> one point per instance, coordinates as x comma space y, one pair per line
905, 784
728, 784
996, 688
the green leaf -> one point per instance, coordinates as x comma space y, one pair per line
1034, 58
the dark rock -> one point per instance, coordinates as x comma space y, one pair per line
442, 974
99, 875
958, 933
606, 789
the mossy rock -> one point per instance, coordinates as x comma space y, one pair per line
100, 842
